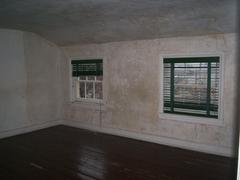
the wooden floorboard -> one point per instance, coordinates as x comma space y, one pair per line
63, 152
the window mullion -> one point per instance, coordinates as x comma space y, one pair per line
94, 87
85, 89
172, 88
77, 88
208, 88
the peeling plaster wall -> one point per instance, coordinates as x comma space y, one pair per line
30, 93
132, 92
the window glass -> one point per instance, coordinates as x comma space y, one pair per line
91, 77
89, 90
82, 77
87, 79
99, 78
191, 87
82, 90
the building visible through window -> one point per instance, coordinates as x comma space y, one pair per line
87, 79
191, 86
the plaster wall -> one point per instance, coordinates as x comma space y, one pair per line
13, 80
30, 95
44, 98
132, 81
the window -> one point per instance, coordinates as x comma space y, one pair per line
88, 79
191, 86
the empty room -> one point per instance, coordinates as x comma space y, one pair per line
119, 90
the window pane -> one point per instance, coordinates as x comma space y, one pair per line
214, 89
191, 87
82, 77
166, 85
99, 78
89, 89
82, 90
98, 91
190, 84
91, 77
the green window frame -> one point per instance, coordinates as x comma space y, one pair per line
191, 86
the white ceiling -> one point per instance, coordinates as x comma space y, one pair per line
68, 22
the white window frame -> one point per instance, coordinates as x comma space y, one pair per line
86, 102
188, 118
77, 80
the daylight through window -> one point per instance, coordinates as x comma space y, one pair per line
87, 79
191, 86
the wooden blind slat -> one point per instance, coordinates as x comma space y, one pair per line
93, 67
191, 86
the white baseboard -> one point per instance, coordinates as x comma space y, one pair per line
26, 129
210, 149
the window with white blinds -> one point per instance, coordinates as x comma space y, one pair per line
191, 86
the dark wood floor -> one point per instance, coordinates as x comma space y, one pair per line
63, 152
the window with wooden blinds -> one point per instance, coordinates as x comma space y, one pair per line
191, 86
87, 79
93, 67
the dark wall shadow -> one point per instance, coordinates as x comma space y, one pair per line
237, 115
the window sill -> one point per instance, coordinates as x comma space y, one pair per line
94, 105
192, 119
